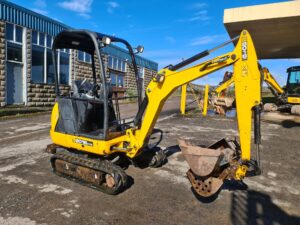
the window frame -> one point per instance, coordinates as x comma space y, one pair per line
116, 61
15, 42
84, 57
46, 48
117, 75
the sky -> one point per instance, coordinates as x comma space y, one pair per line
170, 30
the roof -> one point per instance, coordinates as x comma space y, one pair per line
274, 28
16, 14
24, 17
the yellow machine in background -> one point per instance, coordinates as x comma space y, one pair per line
288, 98
88, 138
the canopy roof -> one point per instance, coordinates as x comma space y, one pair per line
275, 28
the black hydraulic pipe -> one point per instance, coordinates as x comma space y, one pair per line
257, 134
200, 55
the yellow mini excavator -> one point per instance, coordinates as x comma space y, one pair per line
89, 138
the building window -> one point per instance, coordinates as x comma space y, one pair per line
141, 71
117, 79
19, 34
64, 67
14, 52
34, 37
14, 33
50, 68
38, 62
84, 57
14, 37
9, 32
116, 64
42, 63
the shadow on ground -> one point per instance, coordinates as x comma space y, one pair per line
252, 207
290, 124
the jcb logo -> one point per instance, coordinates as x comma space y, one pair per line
244, 50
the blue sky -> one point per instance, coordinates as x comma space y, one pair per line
169, 30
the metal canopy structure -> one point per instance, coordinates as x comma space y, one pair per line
275, 28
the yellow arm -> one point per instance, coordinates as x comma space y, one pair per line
224, 86
270, 80
246, 78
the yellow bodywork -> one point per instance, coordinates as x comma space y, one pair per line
270, 80
183, 99
205, 104
246, 80
224, 86
293, 100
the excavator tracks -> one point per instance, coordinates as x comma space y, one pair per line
94, 173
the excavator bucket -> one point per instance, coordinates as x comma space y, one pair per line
209, 166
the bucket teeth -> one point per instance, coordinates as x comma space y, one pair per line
205, 188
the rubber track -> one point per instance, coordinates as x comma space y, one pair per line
99, 165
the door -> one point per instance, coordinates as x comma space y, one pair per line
14, 83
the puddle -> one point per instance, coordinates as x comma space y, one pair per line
229, 113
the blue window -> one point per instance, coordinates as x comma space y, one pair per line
113, 78
84, 57
110, 62
14, 33
80, 55
37, 70
19, 34
34, 37
14, 52
42, 40
49, 41
9, 31
64, 68
116, 64
88, 58
117, 79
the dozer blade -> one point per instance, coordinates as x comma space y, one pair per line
208, 166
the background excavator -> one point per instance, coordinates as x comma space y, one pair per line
90, 141
288, 98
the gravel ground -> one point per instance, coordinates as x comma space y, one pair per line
31, 194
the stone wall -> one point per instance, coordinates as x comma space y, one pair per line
130, 78
44, 94
149, 74
2, 63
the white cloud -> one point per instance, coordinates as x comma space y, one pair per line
82, 7
207, 40
111, 6
40, 3
201, 15
198, 5
40, 11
